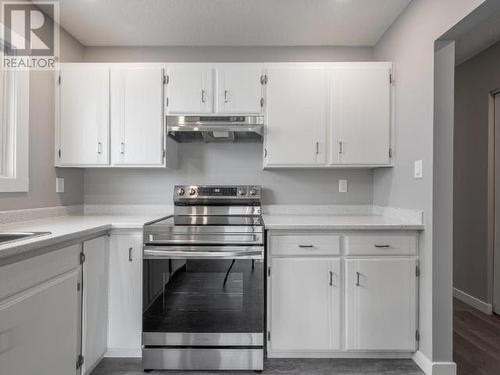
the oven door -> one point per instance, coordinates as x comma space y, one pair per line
203, 296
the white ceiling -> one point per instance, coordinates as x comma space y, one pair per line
229, 22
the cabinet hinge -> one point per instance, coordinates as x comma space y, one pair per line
164, 153
265, 152
268, 335
417, 271
269, 271
166, 79
79, 361
391, 78
78, 287
82, 257
167, 101
390, 152
59, 79
262, 102
263, 79
59, 153
417, 335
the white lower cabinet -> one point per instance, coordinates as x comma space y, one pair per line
380, 304
39, 318
95, 301
330, 303
305, 304
125, 295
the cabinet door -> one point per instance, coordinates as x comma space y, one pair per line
295, 116
125, 302
83, 116
38, 329
239, 89
380, 311
95, 301
137, 135
304, 304
360, 119
190, 89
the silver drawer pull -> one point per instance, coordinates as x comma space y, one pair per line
305, 246
331, 278
130, 254
357, 278
382, 246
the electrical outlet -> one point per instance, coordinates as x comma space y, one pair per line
418, 169
59, 185
342, 186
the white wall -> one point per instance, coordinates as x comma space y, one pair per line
226, 163
409, 43
42, 191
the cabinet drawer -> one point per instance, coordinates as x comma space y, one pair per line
305, 244
381, 243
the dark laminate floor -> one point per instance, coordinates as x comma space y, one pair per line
476, 341
119, 366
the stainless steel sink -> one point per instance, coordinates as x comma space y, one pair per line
17, 236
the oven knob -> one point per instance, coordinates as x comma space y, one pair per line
253, 191
242, 192
180, 191
192, 191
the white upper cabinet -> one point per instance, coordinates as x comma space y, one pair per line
83, 126
239, 88
296, 115
190, 89
381, 297
360, 114
137, 120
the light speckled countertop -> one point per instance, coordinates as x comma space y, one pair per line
337, 222
68, 228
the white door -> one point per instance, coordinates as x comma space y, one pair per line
137, 123
190, 89
38, 329
125, 290
83, 116
295, 107
304, 304
239, 89
360, 114
95, 301
380, 311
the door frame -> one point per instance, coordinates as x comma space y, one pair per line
493, 235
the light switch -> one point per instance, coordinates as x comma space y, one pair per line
342, 186
417, 170
59, 185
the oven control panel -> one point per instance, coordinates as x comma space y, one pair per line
220, 192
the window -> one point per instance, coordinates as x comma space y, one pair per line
14, 130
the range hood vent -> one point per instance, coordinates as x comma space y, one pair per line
221, 129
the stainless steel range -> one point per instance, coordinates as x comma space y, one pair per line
203, 282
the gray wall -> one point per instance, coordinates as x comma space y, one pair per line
226, 163
474, 80
42, 191
409, 43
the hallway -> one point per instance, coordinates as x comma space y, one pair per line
476, 341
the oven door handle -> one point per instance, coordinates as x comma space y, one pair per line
192, 252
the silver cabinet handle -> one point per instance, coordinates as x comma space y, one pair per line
357, 278
382, 246
203, 96
331, 278
317, 148
341, 147
226, 96
305, 246
99, 147
130, 249
122, 148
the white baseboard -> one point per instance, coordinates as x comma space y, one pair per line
337, 354
484, 307
123, 353
434, 368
